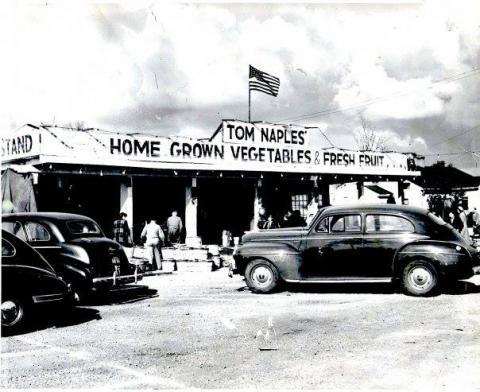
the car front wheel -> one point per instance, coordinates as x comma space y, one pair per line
13, 314
420, 278
261, 276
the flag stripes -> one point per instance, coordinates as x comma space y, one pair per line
263, 82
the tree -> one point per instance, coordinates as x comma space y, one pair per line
78, 125
368, 139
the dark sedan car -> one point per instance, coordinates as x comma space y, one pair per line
377, 243
27, 280
76, 248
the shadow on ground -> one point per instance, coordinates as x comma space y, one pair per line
122, 295
455, 288
462, 287
56, 317
346, 288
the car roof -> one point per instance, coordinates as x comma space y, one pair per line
52, 216
358, 207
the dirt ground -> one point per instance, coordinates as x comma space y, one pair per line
198, 329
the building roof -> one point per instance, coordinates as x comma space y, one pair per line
440, 178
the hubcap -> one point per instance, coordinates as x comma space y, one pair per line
10, 313
421, 278
262, 276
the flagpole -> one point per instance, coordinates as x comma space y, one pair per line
249, 99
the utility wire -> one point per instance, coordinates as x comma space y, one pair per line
456, 135
451, 78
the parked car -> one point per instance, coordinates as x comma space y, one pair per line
76, 247
27, 280
359, 243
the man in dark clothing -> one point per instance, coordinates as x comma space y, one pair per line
174, 228
121, 231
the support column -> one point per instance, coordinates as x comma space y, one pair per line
401, 191
191, 204
360, 189
126, 201
324, 189
257, 205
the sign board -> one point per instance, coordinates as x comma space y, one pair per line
21, 144
273, 149
264, 134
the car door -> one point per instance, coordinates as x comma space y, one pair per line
332, 248
384, 235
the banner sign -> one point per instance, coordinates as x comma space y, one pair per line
260, 133
240, 147
20, 145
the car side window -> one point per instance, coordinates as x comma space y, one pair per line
14, 228
346, 223
37, 232
323, 225
388, 223
7, 249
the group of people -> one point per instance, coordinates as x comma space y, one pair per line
289, 219
152, 235
461, 219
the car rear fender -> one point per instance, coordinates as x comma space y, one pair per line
285, 257
441, 254
72, 274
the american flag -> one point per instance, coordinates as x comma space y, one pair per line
262, 81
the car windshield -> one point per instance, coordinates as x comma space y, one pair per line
318, 213
438, 220
79, 227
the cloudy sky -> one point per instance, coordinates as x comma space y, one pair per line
412, 70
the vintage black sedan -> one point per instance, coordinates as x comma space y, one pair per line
359, 243
28, 280
76, 247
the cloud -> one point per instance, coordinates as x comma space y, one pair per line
177, 68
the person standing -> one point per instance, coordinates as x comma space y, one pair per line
154, 238
312, 209
121, 231
287, 219
174, 228
464, 230
262, 220
271, 224
475, 217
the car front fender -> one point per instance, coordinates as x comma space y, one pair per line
284, 257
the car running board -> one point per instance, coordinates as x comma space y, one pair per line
341, 280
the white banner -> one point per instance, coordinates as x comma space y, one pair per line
21, 144
291, 154
264, 134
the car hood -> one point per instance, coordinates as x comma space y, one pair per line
284, 232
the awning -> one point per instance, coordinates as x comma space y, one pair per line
21, 169
382, 192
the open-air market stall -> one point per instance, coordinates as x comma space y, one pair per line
218, 184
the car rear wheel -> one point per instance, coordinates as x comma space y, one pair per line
420, 278
13, 314
261, 276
